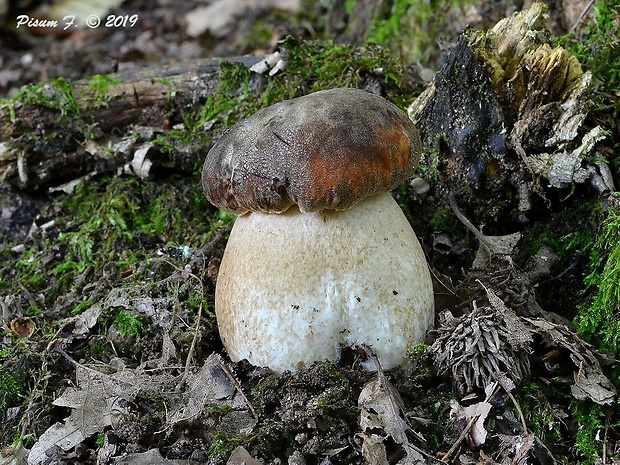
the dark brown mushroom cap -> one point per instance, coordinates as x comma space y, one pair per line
326, 150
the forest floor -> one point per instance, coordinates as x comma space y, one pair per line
108, 262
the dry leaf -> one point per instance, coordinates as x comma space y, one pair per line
95, 403
86, 320
515, 450
212, 386
494, 245
91, 414
590, 382
381, 409
478, 434
460, 418
240, 456
380, 397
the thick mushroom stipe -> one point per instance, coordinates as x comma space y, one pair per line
295, 288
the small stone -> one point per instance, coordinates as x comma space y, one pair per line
420, 186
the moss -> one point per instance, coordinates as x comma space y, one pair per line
10, 390
56, 94
444, 220
541, 415
109, 227
591, 420
99, 87
260, 36
599, 320
128, 324
318, 65
587, 243
597, 47
419, 350
337, 406
30, 272
568, 232
219, 449
412, 28
196, 301
311, 66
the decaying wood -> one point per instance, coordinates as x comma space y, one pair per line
505, 111
140, 93
42, 148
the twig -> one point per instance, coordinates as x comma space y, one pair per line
516, 404
233, 380
34, 392
581, 16
76, 363
192, 347
190, 353
468, 224
604, 457
441, 283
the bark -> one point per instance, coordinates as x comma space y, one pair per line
45, 144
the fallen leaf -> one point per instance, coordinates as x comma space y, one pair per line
95, 403
240, 456
480, 411
212, 386
91, 413
494, 245
515, 450
589, 380
380, 397
382, 409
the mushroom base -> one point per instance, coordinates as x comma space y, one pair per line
294, 288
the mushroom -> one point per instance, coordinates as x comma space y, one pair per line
321, 256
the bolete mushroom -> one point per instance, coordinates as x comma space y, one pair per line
321, 256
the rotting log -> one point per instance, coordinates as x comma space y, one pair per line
505, 117
47, 133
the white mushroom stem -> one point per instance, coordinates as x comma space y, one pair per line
294, 288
